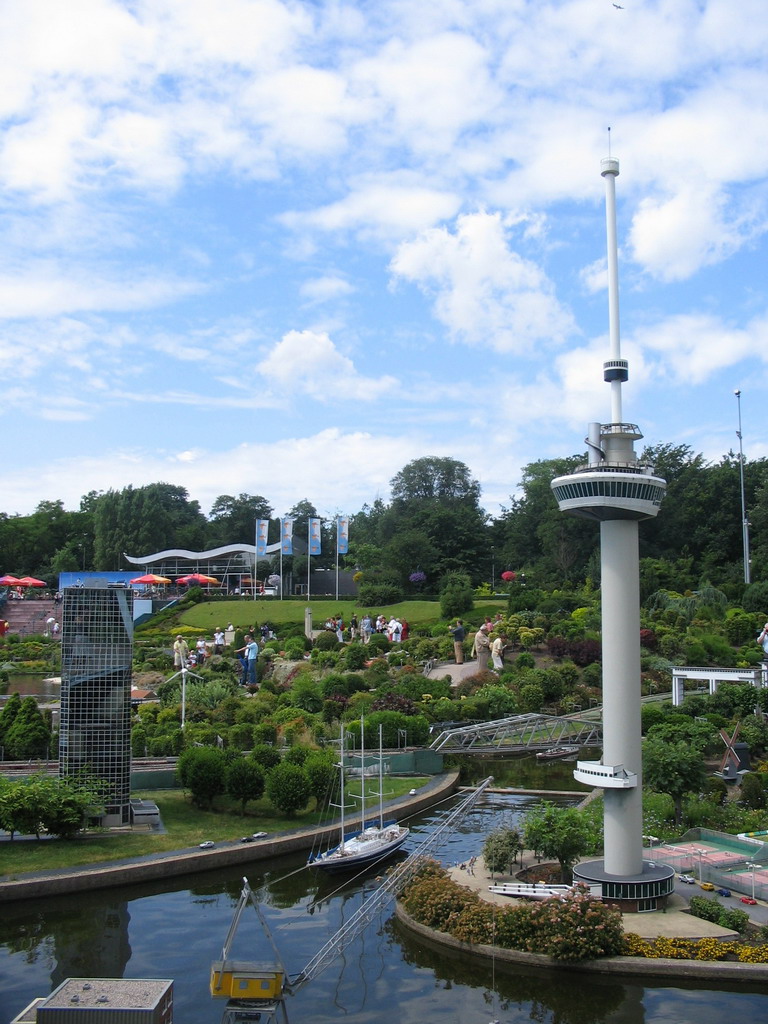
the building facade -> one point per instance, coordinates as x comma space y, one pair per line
96, 655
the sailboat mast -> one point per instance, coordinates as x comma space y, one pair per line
341, 785
381, 778
362, 774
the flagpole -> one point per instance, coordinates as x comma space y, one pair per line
309, 550
255, 557
337, 558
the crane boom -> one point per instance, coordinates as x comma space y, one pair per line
365, 914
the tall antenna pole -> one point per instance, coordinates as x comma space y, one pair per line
744, 520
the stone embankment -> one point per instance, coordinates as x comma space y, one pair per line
224, 855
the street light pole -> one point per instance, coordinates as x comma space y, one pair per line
744, 520
753, 866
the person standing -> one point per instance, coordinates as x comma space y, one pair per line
763, 641
482, 648
458, 633
366, 627
180, 652
218, 641
251, 654
497, 651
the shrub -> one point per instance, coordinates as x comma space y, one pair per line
326, 641
456, 595
295, 648
379, 593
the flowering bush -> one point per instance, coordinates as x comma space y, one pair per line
418, 577
574, 927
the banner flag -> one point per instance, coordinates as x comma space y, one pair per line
286, 535
314, 536
342, 535
262, 527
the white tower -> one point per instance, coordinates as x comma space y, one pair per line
617, 490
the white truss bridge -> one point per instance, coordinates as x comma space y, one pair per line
520, 733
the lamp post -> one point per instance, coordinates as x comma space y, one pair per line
752, 865
700, 853
744, 520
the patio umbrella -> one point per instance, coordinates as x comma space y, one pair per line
8, 581
196, 577
150, 577
30, 581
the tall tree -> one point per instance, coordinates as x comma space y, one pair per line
439, 498
143, 520
233, 519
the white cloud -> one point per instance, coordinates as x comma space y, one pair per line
325, 289
484, 292
382, 208
44, 288
307, 362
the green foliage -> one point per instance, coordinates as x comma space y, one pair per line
265, 755
326, 641
202, 770
673, 767
557, 832
28, 735
456, 595
244, 781
288, 788
570, 929
42, 803
501, 848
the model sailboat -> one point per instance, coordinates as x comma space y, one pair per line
374, 842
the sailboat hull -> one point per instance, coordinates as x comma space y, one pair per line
364, 848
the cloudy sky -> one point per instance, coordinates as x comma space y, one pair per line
285, 247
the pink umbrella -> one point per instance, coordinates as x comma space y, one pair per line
30, 581
9, 581
196, 577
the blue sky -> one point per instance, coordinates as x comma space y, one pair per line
286, 248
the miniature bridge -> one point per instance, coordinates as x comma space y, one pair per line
520, 733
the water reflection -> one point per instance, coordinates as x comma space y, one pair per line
174, 930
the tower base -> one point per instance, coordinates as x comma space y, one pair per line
632, 894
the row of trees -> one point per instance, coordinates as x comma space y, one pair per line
434, 524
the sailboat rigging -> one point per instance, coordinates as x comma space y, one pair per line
373, 842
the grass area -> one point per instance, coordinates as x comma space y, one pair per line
186, 826
208, 615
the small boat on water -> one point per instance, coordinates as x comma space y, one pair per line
373, 842
553, 753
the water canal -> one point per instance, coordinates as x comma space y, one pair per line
175, 930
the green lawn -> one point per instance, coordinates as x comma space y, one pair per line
186, 826
208, 615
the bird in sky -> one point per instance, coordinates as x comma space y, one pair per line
618, 7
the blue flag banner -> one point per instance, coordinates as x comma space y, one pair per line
342, 535
262, 526
314, 536
286, 536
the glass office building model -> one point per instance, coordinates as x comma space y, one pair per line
96, 654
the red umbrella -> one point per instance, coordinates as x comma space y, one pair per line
150, 577
8, 581
30, 581
196, 577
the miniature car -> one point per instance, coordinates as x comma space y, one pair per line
708, 886
688, 879
259, 835
247, 839
723, 892
749, 901
207, 845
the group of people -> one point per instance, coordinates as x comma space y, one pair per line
185, 656
483, 648
395, 629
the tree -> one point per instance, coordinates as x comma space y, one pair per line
456, 595
143, 520
323, 776
501, 848
244, 781
202, 770
233, 519
29, 735
288, 788
673, 767
558, 832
